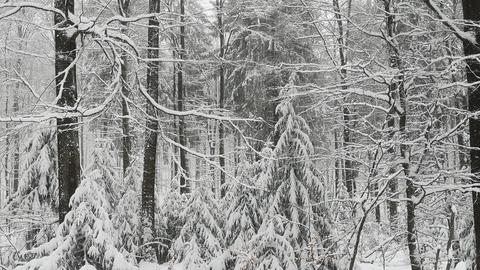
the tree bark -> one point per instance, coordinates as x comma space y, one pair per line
471, 13
124, 6
221, 96
67, 133
393, 88
7, 156
347, 138
415, 261
151, 136
184, 186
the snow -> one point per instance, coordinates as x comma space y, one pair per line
166, 266
367, 266
400, 261
461, 266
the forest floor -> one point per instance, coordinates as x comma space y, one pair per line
400, 262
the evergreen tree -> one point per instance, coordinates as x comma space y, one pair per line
200, 239
86, 239
126, 218
244, 214
170, 222
265, 34
103, 159
295, 191
269, 249
38, 181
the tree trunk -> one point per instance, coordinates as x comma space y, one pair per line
7, 156
471, 13
410, 191
174, 99
347, 138
337, 163
393, 88
150, 148
221, 96
16, 148
124, 6
184, 186
67, 133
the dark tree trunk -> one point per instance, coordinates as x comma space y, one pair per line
184, 186
7, 156
462, 155
410, 191
67, 133
150, 148
174, 99
393, 88
347, 136
451, 237
124, 6
471, 13
16, 148
221, 96
337, 162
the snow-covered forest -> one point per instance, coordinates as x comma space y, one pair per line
239, 134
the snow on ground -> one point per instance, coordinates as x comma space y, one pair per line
153, 266
368, 266
399, 262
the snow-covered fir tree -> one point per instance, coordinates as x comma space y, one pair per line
36, 198
200, 239
37, 189
244, 209
269, 249
87, 238
103, 159
169, 221
294, 216
126, 216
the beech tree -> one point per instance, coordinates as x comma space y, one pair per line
66, 91
471, 11
150, 149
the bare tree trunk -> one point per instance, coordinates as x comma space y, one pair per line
337, 163
151, 136
347, 138
67, 133
7, 156
221, 95
393, 88
184, 186
471, 13
124, 6
174, 100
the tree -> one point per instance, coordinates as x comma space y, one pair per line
182, 139
264, 35
200, 239
151, 137
347, 114
37, 193
396, 85
126, 218
471, 13
66, 90
221, 96
245, 210
86, 237
124, 9
296, 190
